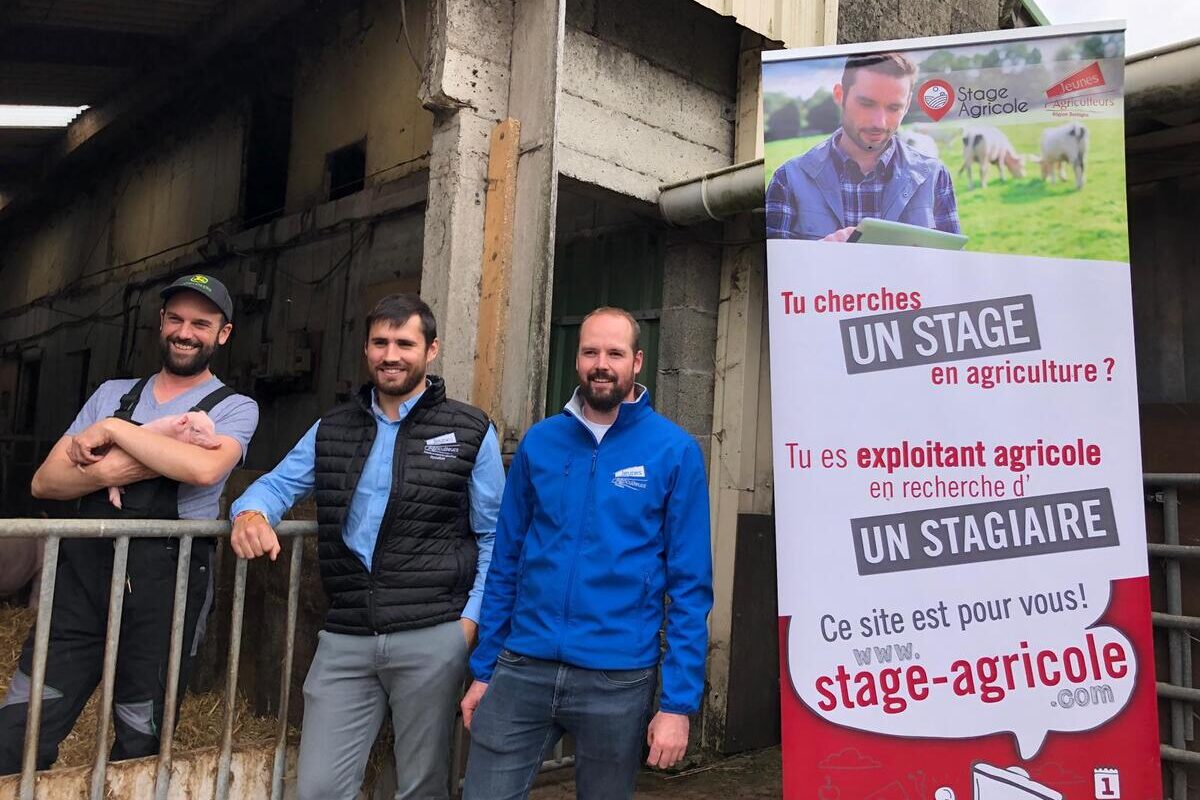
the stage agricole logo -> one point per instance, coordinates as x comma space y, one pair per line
936, 98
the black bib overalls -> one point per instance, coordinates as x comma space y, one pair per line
77, 629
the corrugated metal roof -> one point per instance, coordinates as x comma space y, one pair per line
154, 17
80, 52
795, 23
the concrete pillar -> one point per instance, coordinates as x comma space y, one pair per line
488, 61
454, 241
465, 84
533, 100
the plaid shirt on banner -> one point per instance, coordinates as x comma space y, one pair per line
862, 195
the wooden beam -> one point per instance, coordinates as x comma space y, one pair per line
496, 273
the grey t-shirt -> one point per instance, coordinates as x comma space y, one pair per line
235, 417
598, 429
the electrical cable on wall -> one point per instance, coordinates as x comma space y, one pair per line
407, 40
66, 288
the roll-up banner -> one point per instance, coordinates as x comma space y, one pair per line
964, 607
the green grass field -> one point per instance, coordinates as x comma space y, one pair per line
1027, 216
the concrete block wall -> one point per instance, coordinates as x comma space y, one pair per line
687, 344
359, 83
382, 249
161, 195
876, 20
81, 276
648, 93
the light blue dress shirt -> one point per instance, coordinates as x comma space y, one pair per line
293, 478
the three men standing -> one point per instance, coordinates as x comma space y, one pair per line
605, 517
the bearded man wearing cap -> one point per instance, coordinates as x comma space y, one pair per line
163, 479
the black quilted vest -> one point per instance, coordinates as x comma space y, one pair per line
424, 560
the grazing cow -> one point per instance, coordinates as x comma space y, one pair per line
984, 145
923, 143
1064, 144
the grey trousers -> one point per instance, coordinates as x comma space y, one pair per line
350, 686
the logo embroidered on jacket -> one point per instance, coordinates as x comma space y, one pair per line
440, 448
630, 478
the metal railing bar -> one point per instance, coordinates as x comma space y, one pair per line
1173, 550
1189, 718
285, 681
112, 640
1162, 620
18, 528
1173, 692
162, 779
1178, 756
37, 678
231, 678
1165, 479
1176, 637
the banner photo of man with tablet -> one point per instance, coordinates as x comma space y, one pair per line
1010, 146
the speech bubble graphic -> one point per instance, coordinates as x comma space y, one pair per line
1024, 673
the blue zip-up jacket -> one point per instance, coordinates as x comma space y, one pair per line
589, 540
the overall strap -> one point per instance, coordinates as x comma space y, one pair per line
213, 398
129, 401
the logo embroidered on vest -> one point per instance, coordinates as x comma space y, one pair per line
630, 478
440, 448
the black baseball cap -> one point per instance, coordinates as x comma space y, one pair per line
208, 286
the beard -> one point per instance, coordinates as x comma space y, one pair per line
402, 386
605, 398
185, 365
859, 136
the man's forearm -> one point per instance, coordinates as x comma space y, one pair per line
186, 463
59, 479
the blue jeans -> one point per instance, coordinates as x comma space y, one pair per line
531, 703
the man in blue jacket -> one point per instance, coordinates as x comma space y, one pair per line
605, 512
864, 169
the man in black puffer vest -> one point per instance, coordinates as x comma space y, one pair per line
408, 485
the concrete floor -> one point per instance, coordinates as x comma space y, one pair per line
751, 776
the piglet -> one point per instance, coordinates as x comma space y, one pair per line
194, 427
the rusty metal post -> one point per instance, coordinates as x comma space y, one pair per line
162, 780
37, 680
112, 640
285, 680
1176, 641
231, 678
